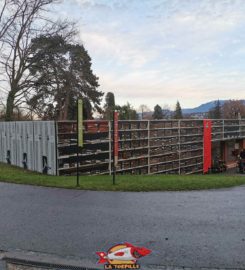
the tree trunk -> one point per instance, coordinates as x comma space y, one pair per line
10, 106
66, 102
66, 105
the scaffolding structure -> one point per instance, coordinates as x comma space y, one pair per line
94, 157
145, 146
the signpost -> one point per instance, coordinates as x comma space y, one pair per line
115, 145
207, 146
79, 133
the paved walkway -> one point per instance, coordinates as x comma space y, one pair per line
192, 229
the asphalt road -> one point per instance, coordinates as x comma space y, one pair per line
192, 229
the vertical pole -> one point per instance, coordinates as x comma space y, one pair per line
77, 145
77, 166
223, 129
239, 123
56, 146
207, 147
113, 140
149, 151
15, 142
110, 147
179, 146
115, 145
79, 132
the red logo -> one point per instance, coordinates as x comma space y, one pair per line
122, 256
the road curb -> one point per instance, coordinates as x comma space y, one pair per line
29, 260
20, 260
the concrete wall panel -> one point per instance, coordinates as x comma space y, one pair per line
44, 147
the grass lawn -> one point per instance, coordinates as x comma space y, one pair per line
17, 175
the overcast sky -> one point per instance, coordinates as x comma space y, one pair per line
157, 51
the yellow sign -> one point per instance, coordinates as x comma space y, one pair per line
80, 122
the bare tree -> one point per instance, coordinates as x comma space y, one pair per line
166, 110
27, 21
143, 109
9, 11
233, 109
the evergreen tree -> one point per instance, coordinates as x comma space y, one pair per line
142, 110
126, 112
61, 74
109, 106
215, 113
87, 109
178, 111
158, 113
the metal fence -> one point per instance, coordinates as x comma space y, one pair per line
30, 145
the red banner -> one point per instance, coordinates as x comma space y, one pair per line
207, 129
116, 137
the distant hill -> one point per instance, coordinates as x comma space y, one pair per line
203, 107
